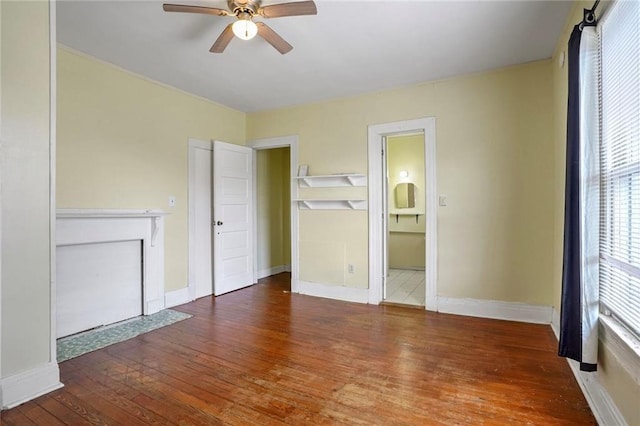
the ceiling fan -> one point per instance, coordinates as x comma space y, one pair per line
244, 27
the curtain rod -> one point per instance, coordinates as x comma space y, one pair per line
589, 16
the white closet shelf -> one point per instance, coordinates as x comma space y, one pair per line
332, 204
325, 181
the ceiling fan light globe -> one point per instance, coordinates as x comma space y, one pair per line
244, 29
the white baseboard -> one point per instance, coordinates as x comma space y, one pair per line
348, 294
495, 309
555, 322
155, 306
267, 272
25, 386
604, 409
176, 297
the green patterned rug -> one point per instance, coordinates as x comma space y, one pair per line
79, 344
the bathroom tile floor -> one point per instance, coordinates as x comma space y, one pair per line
406, 287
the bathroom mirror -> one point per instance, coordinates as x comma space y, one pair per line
405, 195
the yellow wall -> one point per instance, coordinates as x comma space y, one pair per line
406, 153
123, 142
494, 163
406, 250
273, 208
24, 152
618, 381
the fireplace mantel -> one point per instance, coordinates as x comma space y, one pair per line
88, 226
89, 213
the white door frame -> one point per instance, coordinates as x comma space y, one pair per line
53, 93
280, 142
376, 207
191, 268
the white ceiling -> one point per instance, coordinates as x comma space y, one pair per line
350, 47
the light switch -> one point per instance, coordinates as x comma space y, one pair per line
442, 200
172, 201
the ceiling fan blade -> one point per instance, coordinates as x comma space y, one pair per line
289, 9
223, 40
273, 38
194, 9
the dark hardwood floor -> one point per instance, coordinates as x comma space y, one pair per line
264, 356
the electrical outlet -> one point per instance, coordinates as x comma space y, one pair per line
350, 268
172, 201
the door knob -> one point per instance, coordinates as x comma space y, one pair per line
219, 223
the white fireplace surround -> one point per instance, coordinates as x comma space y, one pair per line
89, 226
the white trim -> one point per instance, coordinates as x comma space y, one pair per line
267, 272
282, 142
30, 384
511, 311
83, 226
602, 405
604, 409
431, 196
555, 322
53, 93
376, 133
254, 194
177, 297
347, 294
624, 346
108, 213
191, 259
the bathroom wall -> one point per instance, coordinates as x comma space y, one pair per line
406, 225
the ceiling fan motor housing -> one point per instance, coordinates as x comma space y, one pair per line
244, 6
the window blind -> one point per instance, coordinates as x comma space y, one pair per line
620, 164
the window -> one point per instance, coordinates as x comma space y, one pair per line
620, 164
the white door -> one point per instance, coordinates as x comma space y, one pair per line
232, 217
200, 211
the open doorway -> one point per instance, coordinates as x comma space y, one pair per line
279, 153
405, 221
273, 211
201, 220
380, 213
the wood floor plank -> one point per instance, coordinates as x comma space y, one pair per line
62, 412
15, 417
120, 395
264, 356
38, 415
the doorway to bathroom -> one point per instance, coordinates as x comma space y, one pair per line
403, 213
405, 228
